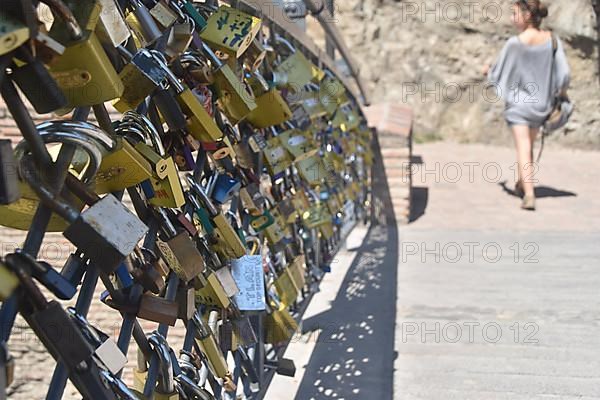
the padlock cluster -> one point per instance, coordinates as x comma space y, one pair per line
217, 198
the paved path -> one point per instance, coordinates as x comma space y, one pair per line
490, 302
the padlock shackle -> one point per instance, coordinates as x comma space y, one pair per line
80, 127
281, 40
89, 144
65, 13
202, 331
171, 77
162, 351
146, 128
168, 225
118, 386
197, 189
212, 56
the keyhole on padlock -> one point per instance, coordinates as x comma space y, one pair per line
9, 40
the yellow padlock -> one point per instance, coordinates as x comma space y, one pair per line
298, 143
286, 287
83, 71
279, 325
297, 71
230, 31
213, 294
271, 109
276, 157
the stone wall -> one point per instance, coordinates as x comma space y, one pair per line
429, 54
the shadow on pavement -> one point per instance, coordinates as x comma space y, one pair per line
540, 191
418, 202
354, 354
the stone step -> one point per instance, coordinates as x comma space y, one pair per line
401, 153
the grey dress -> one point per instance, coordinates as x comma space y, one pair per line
521, 76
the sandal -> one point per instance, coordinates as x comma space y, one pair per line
528, 203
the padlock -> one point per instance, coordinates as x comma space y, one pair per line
234, 98
147, 271
298, 271
84, 71
142, 75
225, 277
106, 350
252, 199
225, 187
331, 92
121, 168
287, 210
200, 124
254, 55
271, 109
13, 33
187, 6
277, 233
9, 180
142, 24
262, 221
316, 215
179, 252
230, 31
59, 334
180, 37
186, 301
279, 325
227, 342
312, 170
167, 192
112, 27
158, 309
225, 232
276, 157
163, 14
295, 72
311, 104
106, 232
298, 143
286, 287
213, 294
214, 357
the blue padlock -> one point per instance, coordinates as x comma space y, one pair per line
224, 188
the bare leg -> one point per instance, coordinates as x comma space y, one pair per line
524, 146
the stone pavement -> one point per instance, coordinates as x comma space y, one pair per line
475, 299
495, 302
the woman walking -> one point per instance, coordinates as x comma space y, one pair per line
531, 69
